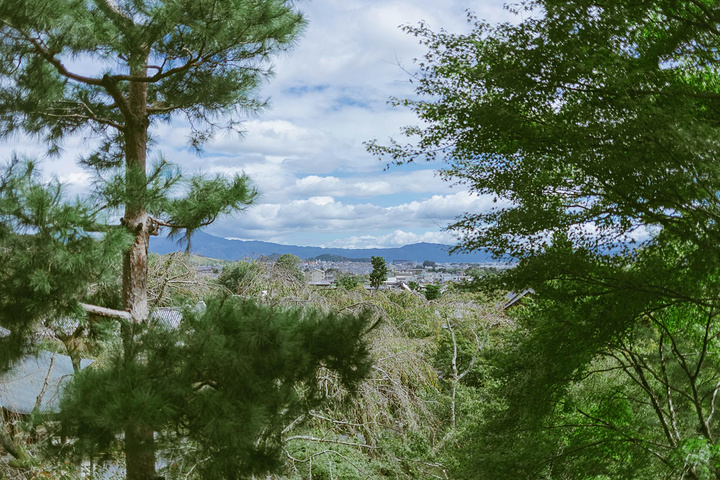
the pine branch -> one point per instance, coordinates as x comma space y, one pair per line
50, 58
112, 10
106, 312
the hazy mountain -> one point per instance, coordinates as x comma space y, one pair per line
222, 248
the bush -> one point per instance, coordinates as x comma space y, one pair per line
432, 292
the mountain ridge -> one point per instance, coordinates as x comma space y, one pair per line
224, 249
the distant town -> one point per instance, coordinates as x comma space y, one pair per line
320, 272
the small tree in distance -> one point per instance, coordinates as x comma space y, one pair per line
348, 281
432, 291
379, 272
290, 265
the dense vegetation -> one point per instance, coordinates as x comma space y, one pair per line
594, 126
400, 421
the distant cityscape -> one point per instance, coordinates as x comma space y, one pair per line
399, 271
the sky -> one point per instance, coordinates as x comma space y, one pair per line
318, 185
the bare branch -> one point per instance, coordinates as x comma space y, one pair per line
106, 312
38, 400
324, 440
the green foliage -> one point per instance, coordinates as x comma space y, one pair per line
49, 254
205, 200
432, 291
188, 83
401, 412
616, 389
349, 282
593, 125
290, 265
42, 94
379, 272
254, 365
577, 115
111, 70
237, 276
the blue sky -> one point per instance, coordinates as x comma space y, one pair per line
319, 186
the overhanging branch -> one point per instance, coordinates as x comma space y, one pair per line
106, 312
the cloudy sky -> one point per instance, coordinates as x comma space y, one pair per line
319, 186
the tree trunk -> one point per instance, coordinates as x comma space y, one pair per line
139, 454
139, 441
8, 443
135, 298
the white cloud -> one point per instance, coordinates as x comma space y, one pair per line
306, 154
325, 216
422, 181
397, 238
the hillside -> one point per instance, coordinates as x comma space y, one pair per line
224, 249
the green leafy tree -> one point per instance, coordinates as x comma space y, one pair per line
617, 387
349, 282
379, 272
593, 125
47, 255
290, 265
607, 111
238, 274
432, 291
112, 70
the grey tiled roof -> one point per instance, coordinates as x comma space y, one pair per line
21, 387
170, 317
514, 298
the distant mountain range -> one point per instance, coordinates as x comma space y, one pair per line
224, 249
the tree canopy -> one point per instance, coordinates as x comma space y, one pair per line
379, 272
593, 124
111, 71
592, 118
221, 387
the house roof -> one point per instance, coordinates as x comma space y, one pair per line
514, 299
21, 387
170, 317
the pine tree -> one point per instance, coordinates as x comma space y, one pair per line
47, 256
111, 70
221, 387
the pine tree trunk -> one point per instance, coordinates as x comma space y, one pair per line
139, 454
136, 217
139, 442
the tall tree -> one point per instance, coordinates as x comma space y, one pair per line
591, 117
111, 70
379, 272
593, 124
